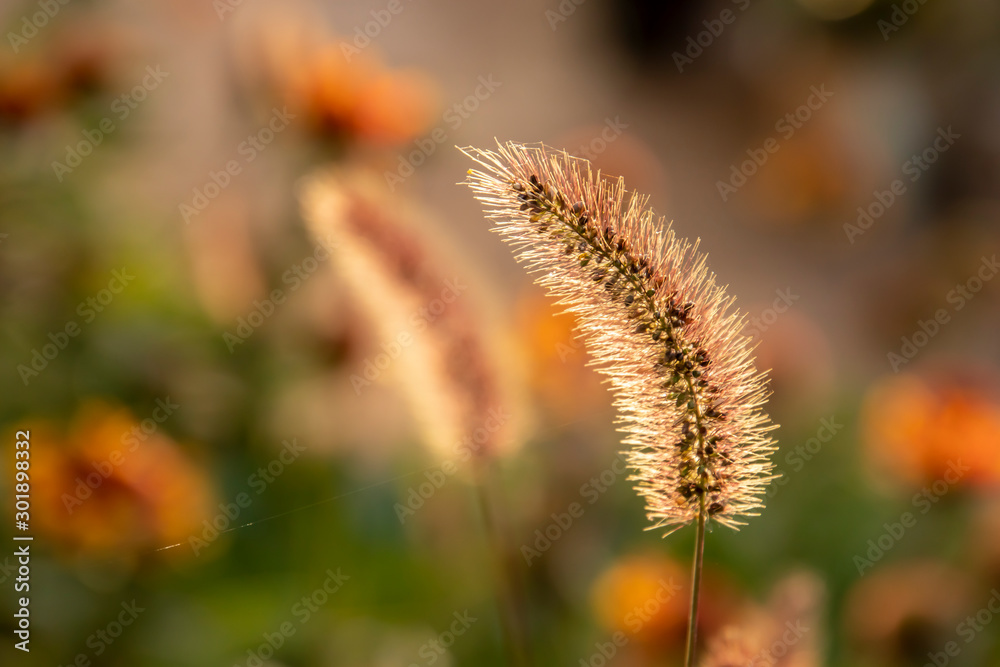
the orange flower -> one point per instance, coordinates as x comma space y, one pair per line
643, 596
109, 488
27, 90
919, 426
361, 100
558, 362
55, 76
646, 596
342, 96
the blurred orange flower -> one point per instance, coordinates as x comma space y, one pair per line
557, 360
350, 97
26, 90
360, 100
114, 486
917, 427
646, 597
77, 62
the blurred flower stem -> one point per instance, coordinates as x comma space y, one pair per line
505, 579
699, 557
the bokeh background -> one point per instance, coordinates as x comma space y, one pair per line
169, 325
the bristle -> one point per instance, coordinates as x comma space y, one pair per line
684, 382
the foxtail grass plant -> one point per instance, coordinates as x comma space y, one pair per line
391, 268
657, 324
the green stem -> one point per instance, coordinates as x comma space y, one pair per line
699, 552
505, 579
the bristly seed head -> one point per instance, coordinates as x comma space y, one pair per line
661, 328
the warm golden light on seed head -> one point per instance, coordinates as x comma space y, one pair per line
655, 321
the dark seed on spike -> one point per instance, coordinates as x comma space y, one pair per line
578, 208
629, 299
534, 180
